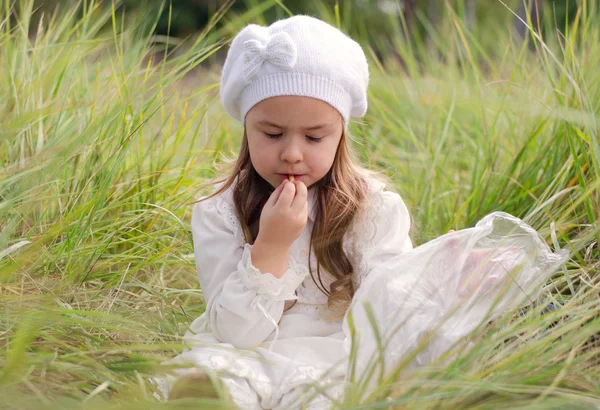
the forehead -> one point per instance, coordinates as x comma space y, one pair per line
294, 111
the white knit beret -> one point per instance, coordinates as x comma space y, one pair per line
300, 55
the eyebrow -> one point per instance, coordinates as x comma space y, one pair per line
272, 124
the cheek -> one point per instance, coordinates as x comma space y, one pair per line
260, 154
323, 156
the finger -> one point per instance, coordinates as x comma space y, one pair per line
301, 197
275, 194
287, 195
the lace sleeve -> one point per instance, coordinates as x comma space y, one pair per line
266, 284
223, 204
379, 233
243, 305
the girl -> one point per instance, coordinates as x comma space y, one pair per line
287, 239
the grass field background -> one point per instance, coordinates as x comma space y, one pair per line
107, 132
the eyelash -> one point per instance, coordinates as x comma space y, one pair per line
311, 139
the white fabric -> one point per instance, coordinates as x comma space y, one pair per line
271, 359
442, 291
243, 305
300, 55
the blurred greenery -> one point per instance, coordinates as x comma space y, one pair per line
373, 22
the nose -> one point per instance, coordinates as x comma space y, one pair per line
291, 151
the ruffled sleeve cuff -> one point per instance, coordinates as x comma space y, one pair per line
267, 285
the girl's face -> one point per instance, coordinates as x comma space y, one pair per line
293, 135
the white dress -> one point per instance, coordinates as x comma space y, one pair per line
268, 358
271, 359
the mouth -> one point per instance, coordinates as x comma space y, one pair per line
295, 177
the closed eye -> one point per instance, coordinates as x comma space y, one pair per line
314, 139
273, 135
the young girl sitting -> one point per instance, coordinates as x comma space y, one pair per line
287, 238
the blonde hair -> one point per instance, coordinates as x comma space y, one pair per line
340, 198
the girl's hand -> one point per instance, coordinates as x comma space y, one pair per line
284, 216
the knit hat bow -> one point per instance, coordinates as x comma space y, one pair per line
279, 50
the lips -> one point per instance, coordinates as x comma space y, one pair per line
286, 176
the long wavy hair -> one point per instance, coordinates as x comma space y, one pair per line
340, 198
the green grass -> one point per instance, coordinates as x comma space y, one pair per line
102, 150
